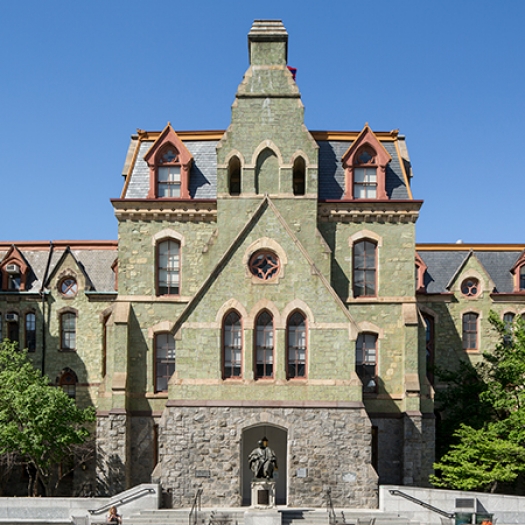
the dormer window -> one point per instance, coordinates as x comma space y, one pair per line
169, 163
168, 174
14, 271
365, 164
365, 174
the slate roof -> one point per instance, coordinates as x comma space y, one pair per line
203, 175
96, 263
442, 265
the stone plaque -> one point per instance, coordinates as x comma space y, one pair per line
263, 497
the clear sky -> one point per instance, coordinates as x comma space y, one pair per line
78, 78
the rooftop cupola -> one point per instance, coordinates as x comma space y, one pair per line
268, 43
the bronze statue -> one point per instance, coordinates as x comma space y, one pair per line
263, 461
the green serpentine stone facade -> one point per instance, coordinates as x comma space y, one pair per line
265, 185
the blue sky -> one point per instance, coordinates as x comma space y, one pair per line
78, 78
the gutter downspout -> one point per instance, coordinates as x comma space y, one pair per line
43, 294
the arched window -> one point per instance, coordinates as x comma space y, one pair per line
470, 331
364, 268
168, 173
232, 346
264, 346
30, 342
68, 382
234, 176
68, 331
430, 346
366, 361
164, 360
508, 319
168, 267
296, 350
299, 176
365, 174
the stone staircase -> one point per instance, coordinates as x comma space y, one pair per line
235, 516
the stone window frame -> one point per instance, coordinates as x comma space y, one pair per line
268, 357
169, 362
366, 235
63, 330
234, 176
299, 171
73, 286
156, 240
289, 366
471, 287
227, 374
366, 271
471, 330
30, 334
261, 245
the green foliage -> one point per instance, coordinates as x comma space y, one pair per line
488, 447
38, 422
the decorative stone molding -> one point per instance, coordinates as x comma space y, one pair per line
403, 212
165, 209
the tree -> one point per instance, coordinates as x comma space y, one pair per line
38, 422
488, 452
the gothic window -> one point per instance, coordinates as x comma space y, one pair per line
264, 265
232, 346
68, 287
470, 287
68, 382
234, 176
299, 176
508, 320
470, 331
296, 351
366, 361
164, 360
264, 346
30, 342
68, 331
168, 267
364, 268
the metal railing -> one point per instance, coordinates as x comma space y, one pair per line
196, 507
422, 503
122, 501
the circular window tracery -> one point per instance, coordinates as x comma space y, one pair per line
264, 265
68, 287
470, 287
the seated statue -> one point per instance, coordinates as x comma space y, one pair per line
262, 461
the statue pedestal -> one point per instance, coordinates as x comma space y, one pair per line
263, 494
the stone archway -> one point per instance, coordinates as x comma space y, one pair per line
278, 442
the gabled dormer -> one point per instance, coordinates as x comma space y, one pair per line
365, 164
15, 271
68, 277
518, 271
169, 162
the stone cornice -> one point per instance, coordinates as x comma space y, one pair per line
385, 211
155, 209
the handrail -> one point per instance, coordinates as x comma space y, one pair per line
122, 501
332, 519
196, 507
422, 503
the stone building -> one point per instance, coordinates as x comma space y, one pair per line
262, 284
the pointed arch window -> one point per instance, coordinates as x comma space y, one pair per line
264, 341
164, 360
366, 361
430, 346
68, 382
232, 346
13, 327
364, 268
365, 174
299, 176
234, 176
168, 267
470, 331
168, 173
296, 348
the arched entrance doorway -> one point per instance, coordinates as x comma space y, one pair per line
277, 441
